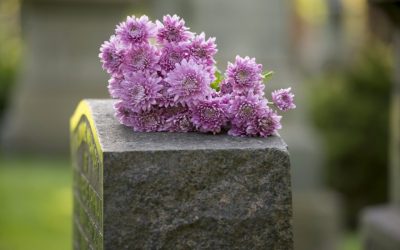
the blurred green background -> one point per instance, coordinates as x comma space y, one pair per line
351, 108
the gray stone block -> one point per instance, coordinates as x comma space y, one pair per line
176, 190
381, 228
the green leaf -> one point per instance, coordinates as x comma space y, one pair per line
218, 80
267, 75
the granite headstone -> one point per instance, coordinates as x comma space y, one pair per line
176, 190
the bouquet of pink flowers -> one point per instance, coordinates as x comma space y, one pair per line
165, 79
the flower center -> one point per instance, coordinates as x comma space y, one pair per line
190, 82
138, 93
226, 87
139, 60
175, 57
202, 53
184, 123
150, 120
265, 123
246, 110
113, 58
242, 76
134, 31
210, 113
285, 98
199, 52
172, 34
125, 112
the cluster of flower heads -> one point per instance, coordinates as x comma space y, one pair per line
165, 79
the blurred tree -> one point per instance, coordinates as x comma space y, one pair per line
10, 47
350, 107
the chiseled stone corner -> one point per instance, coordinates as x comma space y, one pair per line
176, 190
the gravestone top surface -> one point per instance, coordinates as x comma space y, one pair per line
115, 137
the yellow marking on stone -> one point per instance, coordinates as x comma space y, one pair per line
84, 109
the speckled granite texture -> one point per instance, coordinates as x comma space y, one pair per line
176, 191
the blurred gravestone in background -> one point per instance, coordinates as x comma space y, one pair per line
60, 66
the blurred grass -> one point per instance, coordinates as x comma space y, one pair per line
35, 204
352, 241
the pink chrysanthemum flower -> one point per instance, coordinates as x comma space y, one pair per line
189, 82
166, 99
226, 87
140, 91
237, 130
112, 55
123, 113
171, 55
180, 123
165, 86
203, 51
243, 109
225, 101
175, 109
114, 86
148, 121
140, 58
245, 76
283, 99
178, 119
172, 30
136, 30
209, 115
265, 124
